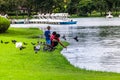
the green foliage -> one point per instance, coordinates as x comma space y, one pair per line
4, 24
85, 7
79, 7
72, 7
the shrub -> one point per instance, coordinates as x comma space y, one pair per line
4, 24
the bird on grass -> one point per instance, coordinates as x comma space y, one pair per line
19, 45
45, 46
22, 47
33, 43
13, 41
6, 42
37, 47
24, 43
48, 47
1, 41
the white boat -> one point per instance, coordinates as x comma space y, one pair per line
54, 18
109, 15
119, 16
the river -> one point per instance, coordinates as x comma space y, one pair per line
98, 45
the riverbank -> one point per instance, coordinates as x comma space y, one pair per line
24, 64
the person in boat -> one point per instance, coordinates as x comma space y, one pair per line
47, 34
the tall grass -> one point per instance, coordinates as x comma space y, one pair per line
24, 64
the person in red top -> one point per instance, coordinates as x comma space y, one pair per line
55, 40
53, 35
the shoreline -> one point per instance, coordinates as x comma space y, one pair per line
70, 53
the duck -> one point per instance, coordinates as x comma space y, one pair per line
109, 15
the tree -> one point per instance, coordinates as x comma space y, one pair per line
85, 7
100, 6
3, 6
73, 7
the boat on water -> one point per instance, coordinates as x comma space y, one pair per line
54, 18
109, 15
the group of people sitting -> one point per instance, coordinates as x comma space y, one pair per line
53, 39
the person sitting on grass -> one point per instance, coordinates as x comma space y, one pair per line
47, 47
52, 36
55, 40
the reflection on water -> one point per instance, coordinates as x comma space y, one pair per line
98, 47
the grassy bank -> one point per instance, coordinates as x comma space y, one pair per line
24, 64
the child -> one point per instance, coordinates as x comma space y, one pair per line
47, 35
56, 40
53, 36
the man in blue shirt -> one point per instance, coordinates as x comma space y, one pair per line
47, 35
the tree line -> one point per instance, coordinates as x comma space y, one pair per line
79, 7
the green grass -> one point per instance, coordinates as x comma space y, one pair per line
26, 65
